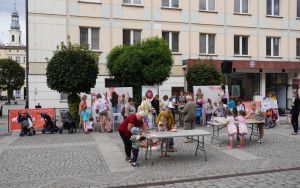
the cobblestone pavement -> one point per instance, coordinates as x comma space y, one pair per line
74, 160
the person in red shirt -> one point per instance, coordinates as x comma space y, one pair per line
133, 120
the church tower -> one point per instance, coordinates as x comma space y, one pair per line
15, 32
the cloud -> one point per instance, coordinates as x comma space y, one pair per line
6, 8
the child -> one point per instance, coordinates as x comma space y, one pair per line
231, 128
209, 110
85, 115
135, 139
242, 127
90, 126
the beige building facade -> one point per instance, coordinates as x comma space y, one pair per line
245, 31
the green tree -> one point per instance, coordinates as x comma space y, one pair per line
12, 76
73, 69
202, 73
147, 62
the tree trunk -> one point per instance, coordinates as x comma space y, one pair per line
73, 104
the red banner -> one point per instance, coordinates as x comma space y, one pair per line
35, 114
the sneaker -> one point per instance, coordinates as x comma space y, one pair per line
186, 140
128, 159
134, 164
259, 141
294, 133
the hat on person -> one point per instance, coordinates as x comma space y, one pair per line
188, 97
135, 130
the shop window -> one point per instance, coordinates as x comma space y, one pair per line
63, 96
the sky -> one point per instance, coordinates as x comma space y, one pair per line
6, 8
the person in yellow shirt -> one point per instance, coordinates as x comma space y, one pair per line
165, 121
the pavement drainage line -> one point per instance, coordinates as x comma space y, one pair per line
206, 178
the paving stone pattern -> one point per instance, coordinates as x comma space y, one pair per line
75, 160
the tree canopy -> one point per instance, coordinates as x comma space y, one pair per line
203, 73
72, 69
148, 62
12, 76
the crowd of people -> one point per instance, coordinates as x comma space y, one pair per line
190, 112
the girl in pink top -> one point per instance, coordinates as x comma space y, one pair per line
231, 128
242, 127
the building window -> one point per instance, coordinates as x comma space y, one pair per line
24, 60
207, 43
13, 38
272, 46
133, 2
131, 36
19, 38
298, 8
89, 37
273, 7
170, 3
241, 6
63, 96
172, 38
207, 5
240, 45
298, 48
18, 59
9, 57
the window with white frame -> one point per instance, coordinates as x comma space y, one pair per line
240, 45
241, 6
131, 36
18, 59
298, 47
207, 43
63, 96
172, 38
133, 2
272, 46
170, 3
89, 37
273, 7
298, 8
207, 5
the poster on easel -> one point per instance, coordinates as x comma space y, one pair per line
149, 92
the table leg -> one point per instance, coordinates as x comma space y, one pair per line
198, 145
167, 146
251, 130
213, 135
147, 149
219, 136
204, 148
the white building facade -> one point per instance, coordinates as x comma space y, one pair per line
238, 30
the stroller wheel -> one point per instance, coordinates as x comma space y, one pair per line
60, 131
43, 131
272, 124
34, 132
22, 134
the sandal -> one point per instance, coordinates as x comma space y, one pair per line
110, 131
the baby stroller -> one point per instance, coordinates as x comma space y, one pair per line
50, 126
68, 122
26, 124
271, 118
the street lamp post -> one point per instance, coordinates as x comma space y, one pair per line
27, 56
